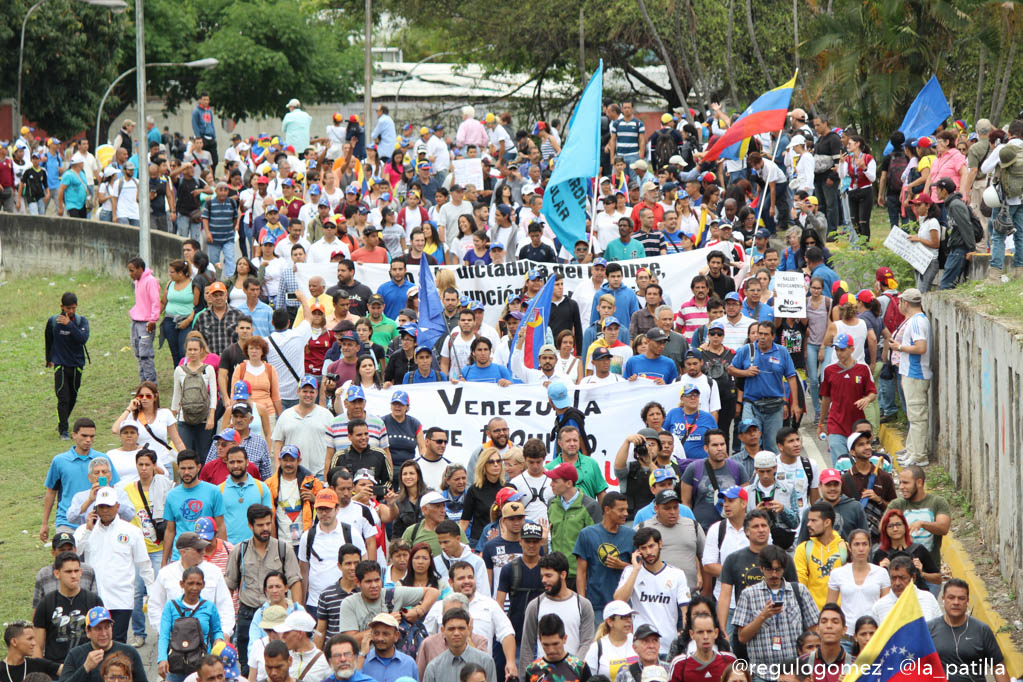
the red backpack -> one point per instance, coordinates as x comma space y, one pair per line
892, 317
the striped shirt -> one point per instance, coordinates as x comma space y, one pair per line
221, 215
328, 608
652, 242
690, 317
736, 335
337, 433
627, 136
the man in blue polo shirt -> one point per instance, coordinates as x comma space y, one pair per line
652, 364
766, 366
69, 474
395, 290
239, 491
754, 307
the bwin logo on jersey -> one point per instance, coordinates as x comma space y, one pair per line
654, 598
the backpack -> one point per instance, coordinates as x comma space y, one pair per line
892, 317
282, 554
699, 468
515, 586
897, 164
195, 396
187, 643
843, 552
664, 149
346, 530
410, 635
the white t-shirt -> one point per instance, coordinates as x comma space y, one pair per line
272, 275
538, 493
594, 380
305, 432
930, 227
438, 149
288, 496
498, 135
321, 250
710, 400
461, 349
583, 296
335, 198
323, 571
734, 540
283, 248
127, 198
164, 419
794, 476
612, 657
568, 611
292, 344
433, 471
607, 229
123, 462
857, 600
657, 597
355, 516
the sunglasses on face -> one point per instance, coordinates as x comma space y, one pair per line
440, 442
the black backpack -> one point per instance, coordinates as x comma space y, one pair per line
187, 642
346, 531
897, 163
410, 635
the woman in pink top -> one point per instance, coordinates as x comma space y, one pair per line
949, 163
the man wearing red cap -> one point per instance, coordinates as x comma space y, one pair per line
217, 322
569, 512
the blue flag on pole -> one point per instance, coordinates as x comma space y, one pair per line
564, 202
926, 112
431, 312
535, 321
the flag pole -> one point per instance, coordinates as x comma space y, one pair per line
763, 193
593, 216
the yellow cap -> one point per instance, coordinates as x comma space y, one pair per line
424, 130
666, 118
489, 118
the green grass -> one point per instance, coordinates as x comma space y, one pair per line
1004, 299
28, 437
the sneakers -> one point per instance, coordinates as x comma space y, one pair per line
137, 642
888, 418
64, 435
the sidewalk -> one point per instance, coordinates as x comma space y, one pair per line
958, 560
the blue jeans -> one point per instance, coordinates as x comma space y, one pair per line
36, 207
175, 338
895, 217
955, 263
813, 382
186, 228
887, 395
227, 248
768, 422
138, 619
828, 195
998, 241
134, 222
837, 446
106, 216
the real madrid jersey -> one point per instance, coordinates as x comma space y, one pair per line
657, 598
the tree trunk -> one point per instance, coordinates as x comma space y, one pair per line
728, 54
1005, 81
701, 75
995, 86
687, 69
980, 82
795, 32
665, 56
756, 45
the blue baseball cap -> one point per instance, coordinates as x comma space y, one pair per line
291, 451
662, 475
599, 261
732, 296
505, 209
400, 397
734, 492
689, 389
229, 434
287, 182
420, 349
608, 321
309, 380
241, 391
843, 341
763, 234
354, 393
717, 324
228, 656
534, 274
497, 246
324, 201
558, 394
747, 424
97, 615
475, 305
410, 329
464, 301
314, 189
352, 188
206, 528
348, 335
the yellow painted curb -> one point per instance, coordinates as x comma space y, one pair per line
954, 554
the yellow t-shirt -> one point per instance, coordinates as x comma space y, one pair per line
814, 563
142, 519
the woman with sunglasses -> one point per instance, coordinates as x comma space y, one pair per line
717, 358
612, 642
488, 479
157, 426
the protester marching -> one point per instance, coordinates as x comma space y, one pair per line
498, 404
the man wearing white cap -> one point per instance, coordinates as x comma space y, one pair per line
799, 165
115, 549
307, 662
775, 497
547, 362
295, 126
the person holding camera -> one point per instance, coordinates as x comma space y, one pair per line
633, 476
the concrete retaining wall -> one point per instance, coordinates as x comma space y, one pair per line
50, 245
977, 421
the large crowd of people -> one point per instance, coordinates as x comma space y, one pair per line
265, 524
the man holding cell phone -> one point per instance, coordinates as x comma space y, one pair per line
770, 616
84, 500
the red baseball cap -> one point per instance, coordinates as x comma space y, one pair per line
565, 471
829, 475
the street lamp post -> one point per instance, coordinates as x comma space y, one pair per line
112, 4
207, 63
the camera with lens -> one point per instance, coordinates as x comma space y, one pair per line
640, 450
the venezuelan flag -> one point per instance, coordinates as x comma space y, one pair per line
901, 650
536, 320
765, 114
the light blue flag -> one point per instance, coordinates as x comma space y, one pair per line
431, 312
564, 202
926, 112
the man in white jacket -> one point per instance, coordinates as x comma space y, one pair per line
115, 549
167, 585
